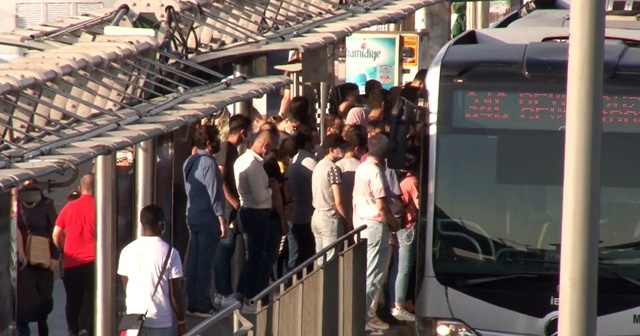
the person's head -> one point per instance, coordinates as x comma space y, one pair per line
378, 146
152, 220
376, 100
371, 86
270, 127
348, 89
87, 184
265, 143
357, 116
375, 126
356, 140
418, 80
412, 160
286, 151
239, 128
334, 124
297, 115
394, 95
304, 139
207, 138
333, 146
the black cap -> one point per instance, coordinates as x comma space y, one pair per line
333, 141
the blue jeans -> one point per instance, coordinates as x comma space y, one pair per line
302, 244
401, 263
255, 230
222, 265
202, 247
326, 229
378, 249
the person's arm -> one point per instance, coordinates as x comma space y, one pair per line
125, 281
380, 195
216, 195
286, 99
22, 257
58, 230
230, 197
278, 206
335, 180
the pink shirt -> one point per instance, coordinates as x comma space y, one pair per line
409, 189
369, 185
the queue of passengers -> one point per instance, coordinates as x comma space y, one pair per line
340, 184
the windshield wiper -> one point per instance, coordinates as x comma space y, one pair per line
478, 281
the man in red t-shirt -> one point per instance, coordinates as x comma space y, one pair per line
75, 236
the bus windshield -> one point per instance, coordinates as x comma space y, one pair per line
498, 185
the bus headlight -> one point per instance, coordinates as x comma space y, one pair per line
453, 328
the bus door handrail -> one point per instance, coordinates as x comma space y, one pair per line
458, 234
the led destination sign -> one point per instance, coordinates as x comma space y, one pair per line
537, 111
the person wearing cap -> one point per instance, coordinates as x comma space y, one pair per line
330, 219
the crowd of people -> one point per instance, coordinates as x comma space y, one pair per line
277, 187
290, 195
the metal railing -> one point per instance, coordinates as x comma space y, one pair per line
327, 301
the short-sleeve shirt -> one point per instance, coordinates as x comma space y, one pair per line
141, 262
409, 189
226, 157
348, 167
78, 221
369, 185
325, 176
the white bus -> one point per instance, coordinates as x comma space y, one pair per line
492, 192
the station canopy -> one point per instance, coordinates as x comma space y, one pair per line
102, 82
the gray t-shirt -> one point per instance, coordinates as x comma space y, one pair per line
299, 174
348, 167
324, 177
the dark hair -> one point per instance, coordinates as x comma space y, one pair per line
74, 195
376, 99
298, 110
412, 159
333, 141
347, 88
239, 123
273, 129
151, 216
204, 134
287, 148
375, 125
371, 86
378, 146
303, 136
355, 136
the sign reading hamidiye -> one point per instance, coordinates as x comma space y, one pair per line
372, 56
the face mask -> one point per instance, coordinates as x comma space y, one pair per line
29, 196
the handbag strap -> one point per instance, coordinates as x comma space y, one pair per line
164, 268
24, 219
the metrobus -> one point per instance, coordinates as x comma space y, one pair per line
492, 177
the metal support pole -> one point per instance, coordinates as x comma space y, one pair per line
145, 161
295, 87
420, 21
105, 194
243, 67
324, 97
581, 192
472, 12
484, 9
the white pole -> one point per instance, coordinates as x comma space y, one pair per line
581, 198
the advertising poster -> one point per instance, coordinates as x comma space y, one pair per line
373, 56
410, 50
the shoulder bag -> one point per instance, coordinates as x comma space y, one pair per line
37, 248
134, 322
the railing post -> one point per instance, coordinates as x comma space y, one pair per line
243, 67
145, 161
105, 194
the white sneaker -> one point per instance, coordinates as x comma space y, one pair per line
227, 301
402, 315
217, 300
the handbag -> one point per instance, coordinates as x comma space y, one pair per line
134, 322
38, 248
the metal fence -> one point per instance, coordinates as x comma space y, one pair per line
329, 300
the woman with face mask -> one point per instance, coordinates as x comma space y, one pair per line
36, 218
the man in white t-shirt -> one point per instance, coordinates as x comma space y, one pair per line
140, 265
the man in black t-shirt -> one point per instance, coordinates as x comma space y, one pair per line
239, 126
